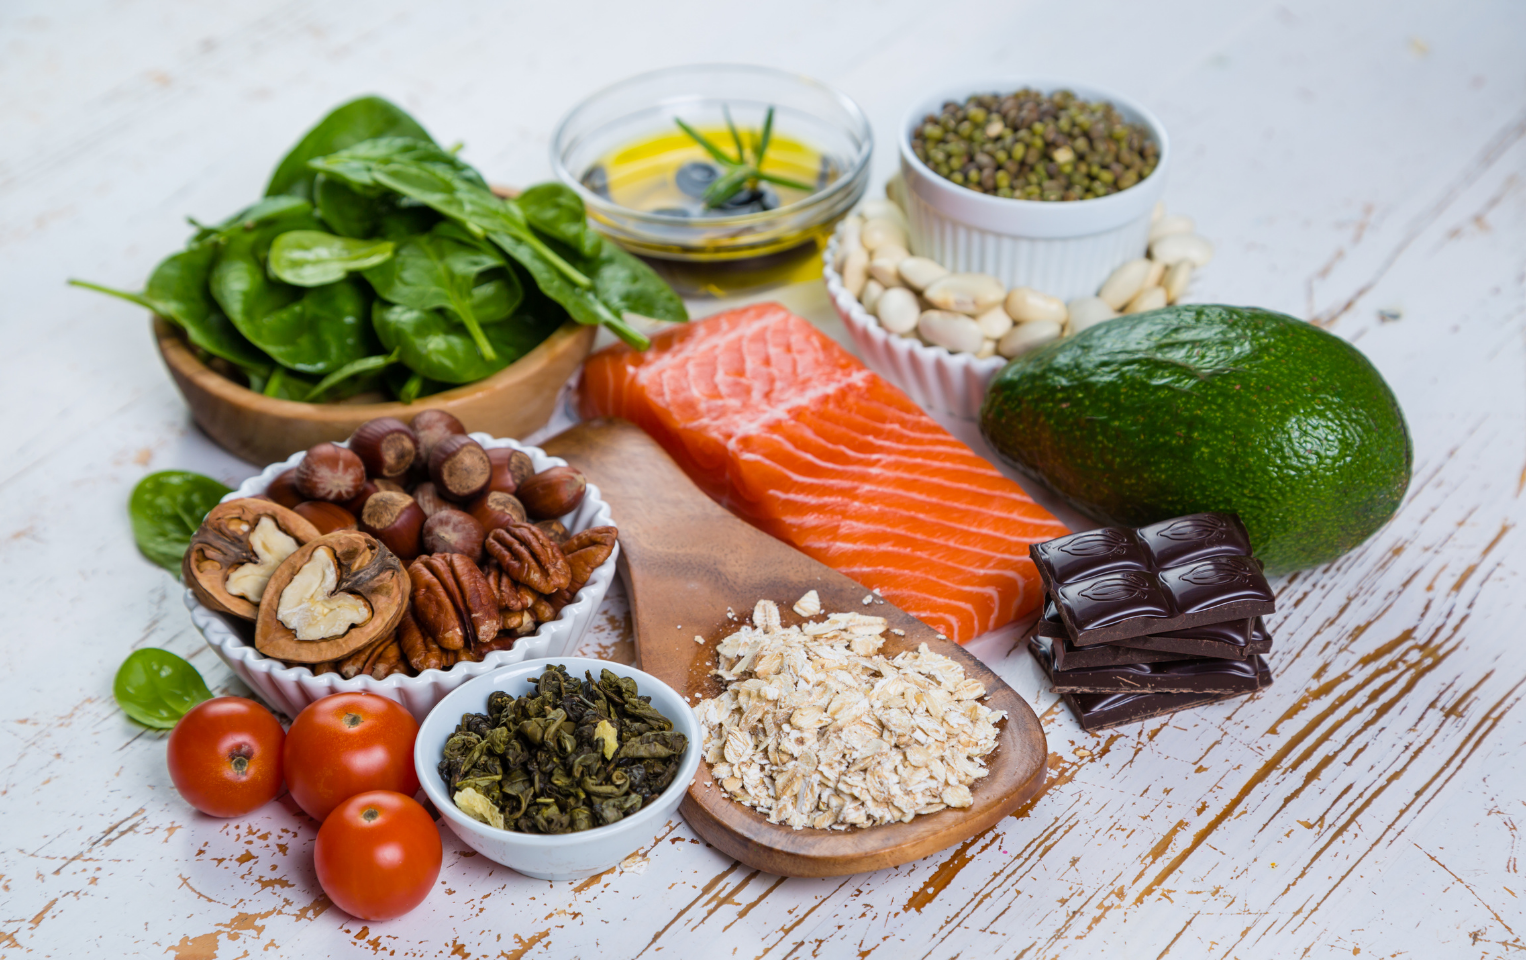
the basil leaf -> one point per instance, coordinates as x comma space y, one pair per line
435, 344
166, 508
359, 120
312, 258
157, 688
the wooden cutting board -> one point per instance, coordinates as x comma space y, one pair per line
687, 562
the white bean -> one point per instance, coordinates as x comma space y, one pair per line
920, 272
849, 240
1177, 278
987, 349
885, 209
855, 272
1157, 272
1167, 226
870, 298
898, 310
994, 323
1124, 283
954, 332
1024, 304
878, 233
1150, 298
1088, 312
1027, 336
971, 293
884, 266
1182, 246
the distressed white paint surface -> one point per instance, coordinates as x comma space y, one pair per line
1346, 158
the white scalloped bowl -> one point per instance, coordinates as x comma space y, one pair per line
289, 689
937, 380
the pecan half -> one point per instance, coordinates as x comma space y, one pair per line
452, 600
530, 557
419, 648
586, 550
381, 658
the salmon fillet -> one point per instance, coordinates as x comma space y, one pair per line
786, 429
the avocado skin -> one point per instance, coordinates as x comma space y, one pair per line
1197, 407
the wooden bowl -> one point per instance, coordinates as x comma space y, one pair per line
511, 403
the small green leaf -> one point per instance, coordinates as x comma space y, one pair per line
350, 123
166, 508
157, 688
349, 371
312, 258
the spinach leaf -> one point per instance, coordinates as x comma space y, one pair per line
166, 508
557, 212
239, 282
433, 343
628, 285
359, 165
352, 371
177, 291
257, 214
447, 268
157, 688
312, 258
584, 305
319, 332
359, 120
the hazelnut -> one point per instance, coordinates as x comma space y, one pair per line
459, 467
496, 509
454, 531
383, 483
553, 492
327, 517
432, 426
283, 490
357, 503
553, 529
395, 520
386, 446
429, 499
510, 468
330, 472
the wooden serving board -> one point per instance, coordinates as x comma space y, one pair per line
687, 562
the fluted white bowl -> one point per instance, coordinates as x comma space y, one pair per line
935, 379
289, 689
1064, 249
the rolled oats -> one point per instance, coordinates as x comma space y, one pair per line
816, 729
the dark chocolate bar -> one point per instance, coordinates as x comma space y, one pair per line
1114, 584
1196, 675
1210, 641
1170, 543
1068, 656
1231, 640
1098, 711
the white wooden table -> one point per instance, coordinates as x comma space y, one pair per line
1347, 158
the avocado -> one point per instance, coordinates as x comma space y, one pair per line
1198, 408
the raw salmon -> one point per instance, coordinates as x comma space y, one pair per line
791, 432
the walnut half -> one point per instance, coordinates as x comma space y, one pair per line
236, 550
338, 593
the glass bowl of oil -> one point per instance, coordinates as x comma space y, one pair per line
646, 156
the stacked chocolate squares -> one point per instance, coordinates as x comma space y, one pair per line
1141, 623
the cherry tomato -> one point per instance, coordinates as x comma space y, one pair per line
377, 855
225, 756
346, 744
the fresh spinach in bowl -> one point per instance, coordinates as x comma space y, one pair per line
380, 261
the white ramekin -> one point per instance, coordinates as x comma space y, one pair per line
1063, 249
289, 689
935, 379
565, 856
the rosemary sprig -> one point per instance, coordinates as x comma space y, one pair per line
739, 172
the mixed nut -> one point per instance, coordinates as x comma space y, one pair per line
412, 548
974, 313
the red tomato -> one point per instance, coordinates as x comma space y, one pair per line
346, 744
377, 855
225, 756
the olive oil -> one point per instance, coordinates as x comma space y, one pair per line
667, 174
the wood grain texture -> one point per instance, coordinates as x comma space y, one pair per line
511, 403
1345, 159
692, 569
